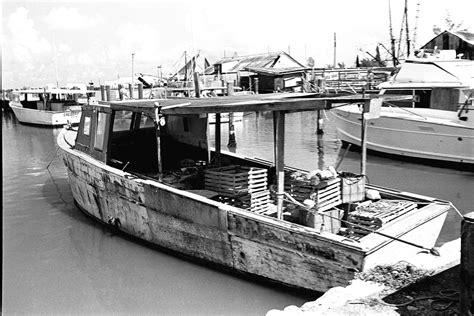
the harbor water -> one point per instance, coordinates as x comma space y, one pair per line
57, 261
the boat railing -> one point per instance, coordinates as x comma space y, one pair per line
404, 109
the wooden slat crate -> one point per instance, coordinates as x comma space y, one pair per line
240, 186
330, 223
326, 194
235, 180
375, 215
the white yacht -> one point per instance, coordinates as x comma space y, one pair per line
437, 124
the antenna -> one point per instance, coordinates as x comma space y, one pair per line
413, 42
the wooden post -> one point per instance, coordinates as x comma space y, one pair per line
319, 124
107, 93
238, 79
120, 92
102, 93
130, 88
232, 143
197, 88
140, 91
363, 138
158, 141
230, 88
218, 139
279, 141
466, 297
45, 102
256, 85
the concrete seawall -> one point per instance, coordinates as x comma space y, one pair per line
364, 295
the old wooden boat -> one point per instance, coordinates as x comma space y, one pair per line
49, 106
437, 126
144, 168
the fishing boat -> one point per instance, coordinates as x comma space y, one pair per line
144, 168
48, 106
438, 125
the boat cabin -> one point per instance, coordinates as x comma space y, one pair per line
50, 99
442, 85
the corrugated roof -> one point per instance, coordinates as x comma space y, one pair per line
463, 35
255, 61
276, 71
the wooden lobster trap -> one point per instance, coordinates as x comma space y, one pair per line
240, 186
326, 194
371, 216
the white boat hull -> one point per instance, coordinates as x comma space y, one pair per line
408, 134
48, 118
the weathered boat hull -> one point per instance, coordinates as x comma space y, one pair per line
195, 226
408, 135
47, 118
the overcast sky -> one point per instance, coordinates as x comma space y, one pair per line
80, 41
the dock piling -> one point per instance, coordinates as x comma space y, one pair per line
467, 266
140, 91
107, 93
102, 93
130, 88
197, 88
319, 124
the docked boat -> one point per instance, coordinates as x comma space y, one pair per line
438, 125
144, 168
49, 106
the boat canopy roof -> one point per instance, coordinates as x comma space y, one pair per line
53, 91
443, 73
290, 102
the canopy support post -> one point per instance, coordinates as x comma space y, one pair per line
363, 138
158, 140
217, 157
279, 141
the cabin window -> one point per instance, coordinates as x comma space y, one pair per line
122, 121
87, 125
146, 121
423, 95
100, 130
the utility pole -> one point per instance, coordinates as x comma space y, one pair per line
334, 61
132, 84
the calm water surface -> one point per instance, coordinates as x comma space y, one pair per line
57, 261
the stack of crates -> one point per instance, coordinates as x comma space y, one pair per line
372, 216
240, 186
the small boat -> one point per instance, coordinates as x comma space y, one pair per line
49, 106
437, 126
144, 168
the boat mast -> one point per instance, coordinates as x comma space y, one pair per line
185, 67
392, 39
413, 42
407, 30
